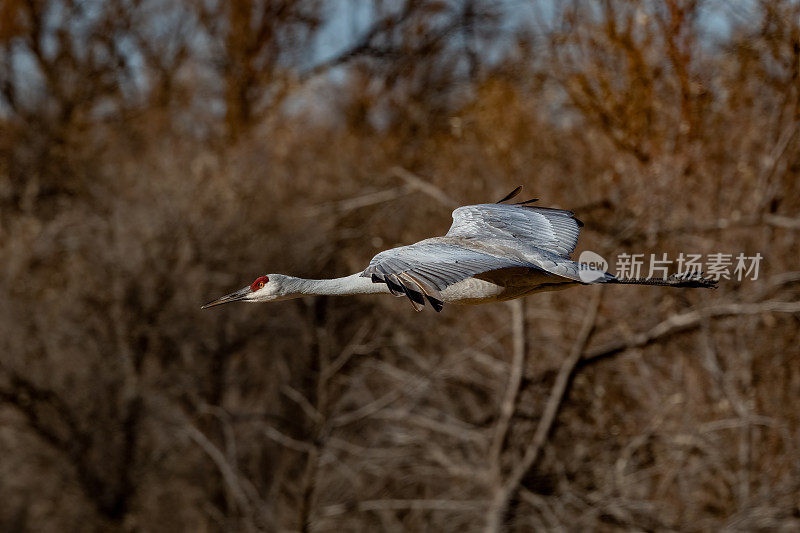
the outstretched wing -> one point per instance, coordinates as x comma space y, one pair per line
553, 230
424, 269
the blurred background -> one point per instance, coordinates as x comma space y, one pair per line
157, 154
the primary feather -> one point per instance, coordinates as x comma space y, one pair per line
483, 238
549, 229
491, 252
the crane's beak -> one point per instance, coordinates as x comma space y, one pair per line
237, 296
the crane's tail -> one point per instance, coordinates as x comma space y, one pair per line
692, 281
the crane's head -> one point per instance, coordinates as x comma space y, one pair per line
270, 288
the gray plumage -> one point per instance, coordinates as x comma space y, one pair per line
492, 252
517, 247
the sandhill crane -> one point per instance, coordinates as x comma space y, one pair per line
492, 252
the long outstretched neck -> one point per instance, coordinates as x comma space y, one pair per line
353, 284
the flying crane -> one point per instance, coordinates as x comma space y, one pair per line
492, 252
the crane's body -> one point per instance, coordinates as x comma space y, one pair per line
492, 252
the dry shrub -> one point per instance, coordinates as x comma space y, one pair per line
125, 407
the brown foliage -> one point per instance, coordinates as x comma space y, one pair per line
156, 155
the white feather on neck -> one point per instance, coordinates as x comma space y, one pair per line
353, 284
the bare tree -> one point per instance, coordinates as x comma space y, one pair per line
156, 153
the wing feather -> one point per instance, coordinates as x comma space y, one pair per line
479, 241
554, 230
428, 267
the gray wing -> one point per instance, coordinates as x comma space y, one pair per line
553, 230
557, 265
424, 269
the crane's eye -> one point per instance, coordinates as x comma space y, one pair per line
259, 283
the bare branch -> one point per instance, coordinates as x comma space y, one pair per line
397, 505
512, 387
367, 410
563, 378
298, 398
424, 186
462, 432
777, 221
365, 46
355, 346
242, 495
684, 322
287, 441
364, 200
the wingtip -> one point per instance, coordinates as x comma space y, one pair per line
511, 195
526, 202
436, 304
